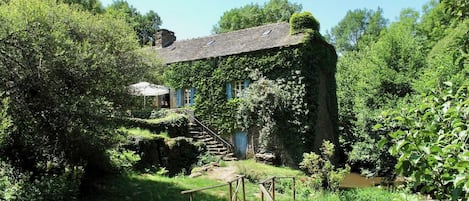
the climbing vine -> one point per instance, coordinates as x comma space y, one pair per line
296, 70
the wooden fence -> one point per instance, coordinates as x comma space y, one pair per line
239, 185
269, 192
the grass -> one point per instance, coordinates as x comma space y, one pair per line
257, 171
143, 133
168, 118
136, 187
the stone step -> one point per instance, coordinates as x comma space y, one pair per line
211, 142
218, 152
213, 147
223, 149
216, 146
207, 139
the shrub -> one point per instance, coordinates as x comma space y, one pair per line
431, 142
123, 159
299, 22
15, 185
323, 172
174, 124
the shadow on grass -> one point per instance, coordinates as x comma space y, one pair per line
133, 188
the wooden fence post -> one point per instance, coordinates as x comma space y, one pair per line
231, 192
273, 188
244, 192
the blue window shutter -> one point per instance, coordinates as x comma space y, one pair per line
229, 94
179, 97
192, 96
246, 83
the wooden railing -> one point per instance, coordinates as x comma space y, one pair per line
210, 132
238, 181
269, 192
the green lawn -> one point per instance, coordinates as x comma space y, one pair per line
153, 187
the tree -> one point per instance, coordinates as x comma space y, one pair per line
144, 26
374, 79
65, 73
254, 15
358, 26
456, 8
94, 6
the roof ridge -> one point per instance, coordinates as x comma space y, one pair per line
233, 32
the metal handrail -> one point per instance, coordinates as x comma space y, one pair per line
212, 133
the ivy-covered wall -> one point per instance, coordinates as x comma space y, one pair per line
298, 70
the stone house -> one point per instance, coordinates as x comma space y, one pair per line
211, 73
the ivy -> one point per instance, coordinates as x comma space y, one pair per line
295, 69
299, 22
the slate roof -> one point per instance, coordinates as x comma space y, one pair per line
231, 43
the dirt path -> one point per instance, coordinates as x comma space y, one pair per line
222, 173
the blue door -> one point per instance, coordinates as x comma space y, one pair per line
241, 144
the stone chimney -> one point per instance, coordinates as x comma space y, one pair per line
164, 38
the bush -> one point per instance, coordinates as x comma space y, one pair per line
123, 159
299, 22
431, 142
142, 113
15, 185
174, 124
323, 173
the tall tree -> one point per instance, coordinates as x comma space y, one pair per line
373, 79
64, 71
93, 6
456, 8
144, 26
254, 15
358, 26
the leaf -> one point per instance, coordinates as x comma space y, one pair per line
460, 179
382, 142
425, 149
400, 144
377, 127
449, 84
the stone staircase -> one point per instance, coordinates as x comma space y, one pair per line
214, 146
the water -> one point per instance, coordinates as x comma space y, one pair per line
356, 180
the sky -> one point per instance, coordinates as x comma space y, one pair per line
195, 18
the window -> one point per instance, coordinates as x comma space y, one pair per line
236, 89
239, 89
187, 97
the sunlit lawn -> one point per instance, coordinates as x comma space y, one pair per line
144, 187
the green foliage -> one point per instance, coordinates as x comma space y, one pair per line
5, 119
94, 6
123, 159
321, 169
254, 15
262, 106
256, 172
25, 186
144, 26
374, 79
291, 80
64, 71
357, 29
299, 22
456, 8
207, 158
173, 124
448, 60
431, 142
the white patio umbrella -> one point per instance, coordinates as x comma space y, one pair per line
147, 89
